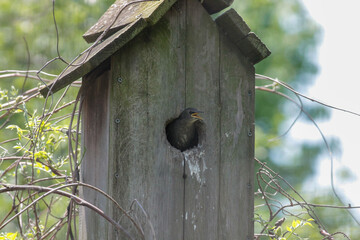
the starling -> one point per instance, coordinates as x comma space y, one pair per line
182, 132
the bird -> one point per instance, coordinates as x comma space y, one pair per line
182, 132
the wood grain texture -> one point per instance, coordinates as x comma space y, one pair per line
234, 27
253, 48
94, 167
237, 143
144, 164
202, 92
150, 11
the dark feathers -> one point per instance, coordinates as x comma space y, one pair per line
182, 132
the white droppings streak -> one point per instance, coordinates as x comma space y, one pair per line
195, 160
193, 218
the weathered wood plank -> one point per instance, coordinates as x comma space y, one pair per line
94, 167
237, 143
98, 55
151, 92
214, 6
232, 25
253, 48
235, 28
202, 92
150, 10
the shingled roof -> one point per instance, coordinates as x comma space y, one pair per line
127, 18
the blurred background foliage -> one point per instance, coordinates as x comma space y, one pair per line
283, 25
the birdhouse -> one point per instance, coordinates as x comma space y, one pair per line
155, 59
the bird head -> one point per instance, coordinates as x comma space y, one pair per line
191, 114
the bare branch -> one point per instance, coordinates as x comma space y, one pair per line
48, 191
258, 76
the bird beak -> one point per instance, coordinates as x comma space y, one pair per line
196, 115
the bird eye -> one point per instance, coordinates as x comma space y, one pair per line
191, 112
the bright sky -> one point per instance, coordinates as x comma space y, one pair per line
338, 84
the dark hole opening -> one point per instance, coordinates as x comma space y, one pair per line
182, 138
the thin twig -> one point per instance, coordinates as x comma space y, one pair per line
48, 191
259, 76
319, 130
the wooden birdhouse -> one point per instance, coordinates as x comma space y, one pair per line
156, 58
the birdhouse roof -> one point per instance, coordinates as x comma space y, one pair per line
125, 12
127, 18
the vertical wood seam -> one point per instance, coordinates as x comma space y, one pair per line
185, 80
185, 49
252, 152
109, 190
113, 168
220, 134
147, 155
184, 212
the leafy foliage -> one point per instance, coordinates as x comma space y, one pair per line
281, 230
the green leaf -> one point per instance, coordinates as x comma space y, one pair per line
13, 91
18, 99
41, 155
278, 232
12, 127
296, 223
9, 236
308, 224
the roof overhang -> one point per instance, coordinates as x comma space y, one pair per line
131, 17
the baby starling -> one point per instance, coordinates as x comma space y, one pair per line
182, 132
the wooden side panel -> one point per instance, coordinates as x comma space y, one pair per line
202, 92
95, 145
237, 143
148, 85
